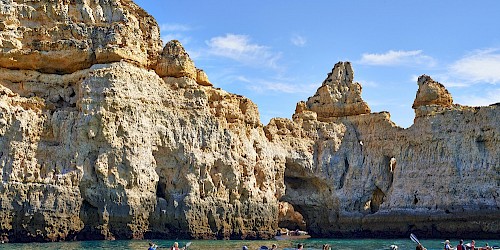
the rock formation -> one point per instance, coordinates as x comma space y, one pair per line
361, 175
63, 36
338, 96
104, 135
431, 97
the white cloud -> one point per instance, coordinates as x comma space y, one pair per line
176, 36
368, 84
174, 27
175, 31
298, 40
400, 57
239, 48
262, 86
479, 66
243, 79
489, 97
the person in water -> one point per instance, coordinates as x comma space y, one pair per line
152, 246
486, 247
300, 246
176, 246
447, 245
326, 247
274, 246
460, 245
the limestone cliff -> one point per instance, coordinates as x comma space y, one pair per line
126, 154
107, 148
361, 175
104, 135
65, 36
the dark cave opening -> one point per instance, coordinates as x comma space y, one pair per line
160, 189
377, 200
306, 193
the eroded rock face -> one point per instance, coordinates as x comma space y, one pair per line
63, 37
431, 92
159, 159
432, 97
175, 62
128, 141
338, 96
113, 149
361, 175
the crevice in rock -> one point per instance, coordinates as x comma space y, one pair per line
160, 190
211, 221
481, 144
89, 214
346, 170
377, 200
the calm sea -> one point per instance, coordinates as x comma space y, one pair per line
340, 244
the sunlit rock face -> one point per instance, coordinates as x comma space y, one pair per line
121, 153
338, 96
432, 97
59, 36
104, 135
361, 175
107, 148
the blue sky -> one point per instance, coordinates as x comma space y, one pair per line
278, 52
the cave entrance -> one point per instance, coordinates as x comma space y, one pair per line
305, 198
377, 199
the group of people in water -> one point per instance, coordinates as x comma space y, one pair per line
175, 246
300, 246
460, 246
468, 246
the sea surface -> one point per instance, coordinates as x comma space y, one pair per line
341, 244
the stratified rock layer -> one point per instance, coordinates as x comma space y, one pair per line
129, 141
134, 159
65, 36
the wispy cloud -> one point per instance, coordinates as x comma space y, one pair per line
367, 83
175, 31
176, 36
481, 66
174, 27
241, 49
489, 97
398, 58
277, 86
298, 40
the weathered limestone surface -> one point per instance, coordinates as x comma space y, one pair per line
103, 135
60, 36
339, 95
444, 178
130, 159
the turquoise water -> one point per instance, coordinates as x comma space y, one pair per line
341, 244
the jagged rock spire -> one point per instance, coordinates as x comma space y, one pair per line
174, 61
339, 95
431, 97
431, 92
